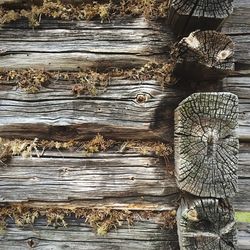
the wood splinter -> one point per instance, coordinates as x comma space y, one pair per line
186, 16
206, 145
204, 55
206, 224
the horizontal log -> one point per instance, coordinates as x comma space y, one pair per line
147, 234
64, 45
78, 235
102, 179
96, 178
238, 22
55, 113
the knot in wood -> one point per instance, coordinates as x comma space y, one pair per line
141, 98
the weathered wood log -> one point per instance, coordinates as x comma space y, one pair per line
204, 55
187, 16
70, 45
206, 146
206, 224
85, 178
56, 113
78, 235
152, 119
106, 180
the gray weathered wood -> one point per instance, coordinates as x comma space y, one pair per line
70, 45
206, 146
84, 178
206, 224
79, 235
55, 113
187, 16
204, 55
103, 180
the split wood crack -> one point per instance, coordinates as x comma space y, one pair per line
206, 142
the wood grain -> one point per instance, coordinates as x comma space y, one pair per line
206, 224
206, 145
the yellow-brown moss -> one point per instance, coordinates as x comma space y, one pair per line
36, 147
30, 80
86, 82
101, 220
87, 10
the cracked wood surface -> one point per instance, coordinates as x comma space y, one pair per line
204, 55
206, 144
70, 45
100, 179
187, 16
206, 224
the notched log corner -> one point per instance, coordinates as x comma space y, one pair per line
206, 224
206, 145
187, 16
204, 55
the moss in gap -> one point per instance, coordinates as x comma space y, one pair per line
101, 220
86, 82
87, 10
27, 148
242, 216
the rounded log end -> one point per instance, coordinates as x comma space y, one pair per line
206, 224
206, 144
204, 55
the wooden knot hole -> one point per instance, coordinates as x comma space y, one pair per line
141, 98
31, 243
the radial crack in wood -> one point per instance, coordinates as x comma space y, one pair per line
206, 224
204, 55
206, 145
186, 16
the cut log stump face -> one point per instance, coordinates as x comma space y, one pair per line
206, 146
206, 224
204, 55
186, 16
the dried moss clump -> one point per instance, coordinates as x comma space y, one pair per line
101, 220
88, 10
90, 82
157, 148
97, 144
30, 80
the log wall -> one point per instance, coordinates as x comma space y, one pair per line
112, 179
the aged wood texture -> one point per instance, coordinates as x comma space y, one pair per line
112, 179
142, 235
70, 45
79, 178
204, 55
206, 146
187, 16
55, 113
206, 224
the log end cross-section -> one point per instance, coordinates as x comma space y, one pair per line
204, 55
206, 224
206, 145
186, 16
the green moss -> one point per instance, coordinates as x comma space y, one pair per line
242, 216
